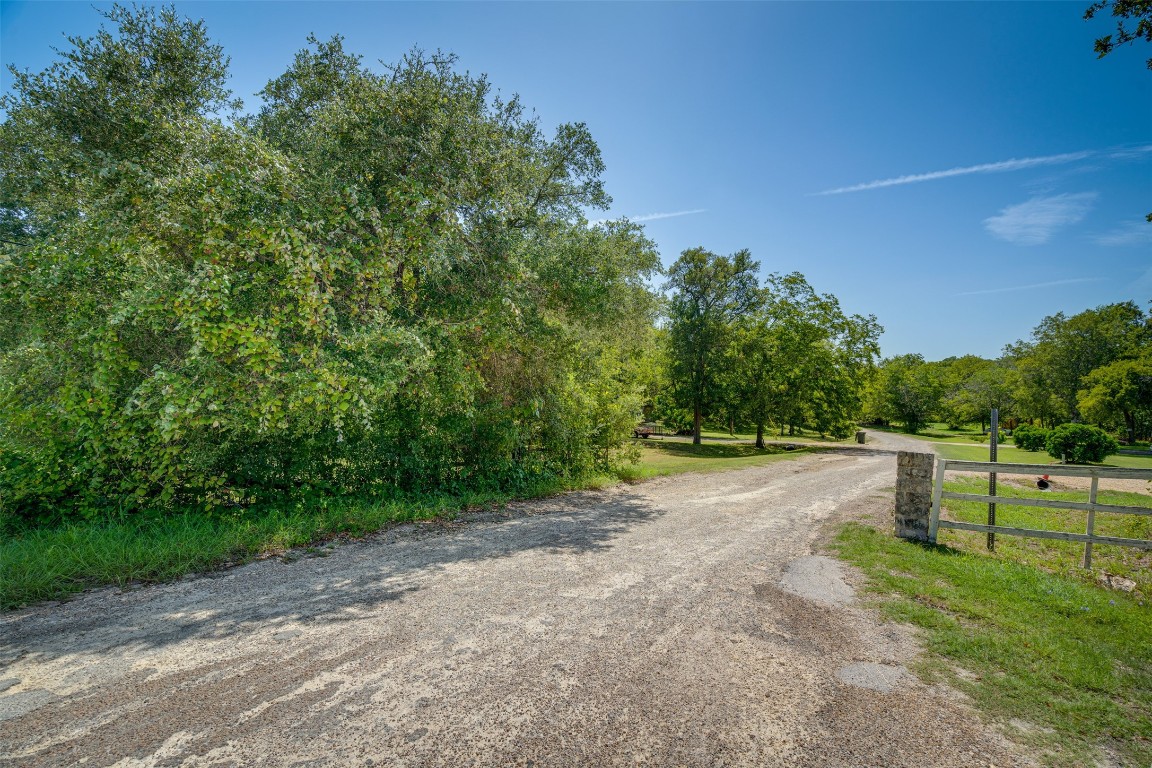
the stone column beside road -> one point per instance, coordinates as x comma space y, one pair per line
913, 494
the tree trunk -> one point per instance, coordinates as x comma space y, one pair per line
1130, 424
759, 434
696, 424
791, 430
731, 426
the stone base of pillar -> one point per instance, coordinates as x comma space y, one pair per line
913, 494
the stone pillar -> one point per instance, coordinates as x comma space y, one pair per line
913, 494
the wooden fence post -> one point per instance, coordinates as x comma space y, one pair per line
1091, 522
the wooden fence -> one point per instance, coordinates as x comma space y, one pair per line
1091, 506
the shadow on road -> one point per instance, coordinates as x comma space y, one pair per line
354, 582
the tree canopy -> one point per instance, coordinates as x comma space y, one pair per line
798, 359
709, 294
1139, 11
380, 281
1063, 350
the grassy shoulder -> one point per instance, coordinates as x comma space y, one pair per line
52, 563
49, 564
1065, 666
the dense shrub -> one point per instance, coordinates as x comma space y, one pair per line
1080, 443
380, 283
1029, 438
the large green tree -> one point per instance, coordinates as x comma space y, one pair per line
798, 359
381, 281
709, 294
1065, 349
111, 111
907, 390
972, 387
1120, 391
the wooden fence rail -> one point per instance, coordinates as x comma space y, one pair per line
1091, 506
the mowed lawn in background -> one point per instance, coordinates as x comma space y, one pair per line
772, 436
970, 444
672, 456
938, 432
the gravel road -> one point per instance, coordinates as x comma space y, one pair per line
685, 621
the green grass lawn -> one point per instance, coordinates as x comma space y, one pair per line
715, 433
770, 435
671, 457
1062, 557
1064, 666
939, 432
1006, 453
1009, 453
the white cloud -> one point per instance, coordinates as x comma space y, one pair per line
1128, 233
1030, 286
1016, 164
1000, 167
1033, 222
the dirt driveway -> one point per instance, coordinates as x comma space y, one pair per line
680, 622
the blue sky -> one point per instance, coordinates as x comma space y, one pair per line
958, 169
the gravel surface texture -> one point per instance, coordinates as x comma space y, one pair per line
685, 621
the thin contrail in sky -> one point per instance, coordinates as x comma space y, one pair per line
1048, 284
655, 216
1000, 167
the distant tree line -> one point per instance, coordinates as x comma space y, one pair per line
1094, 367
